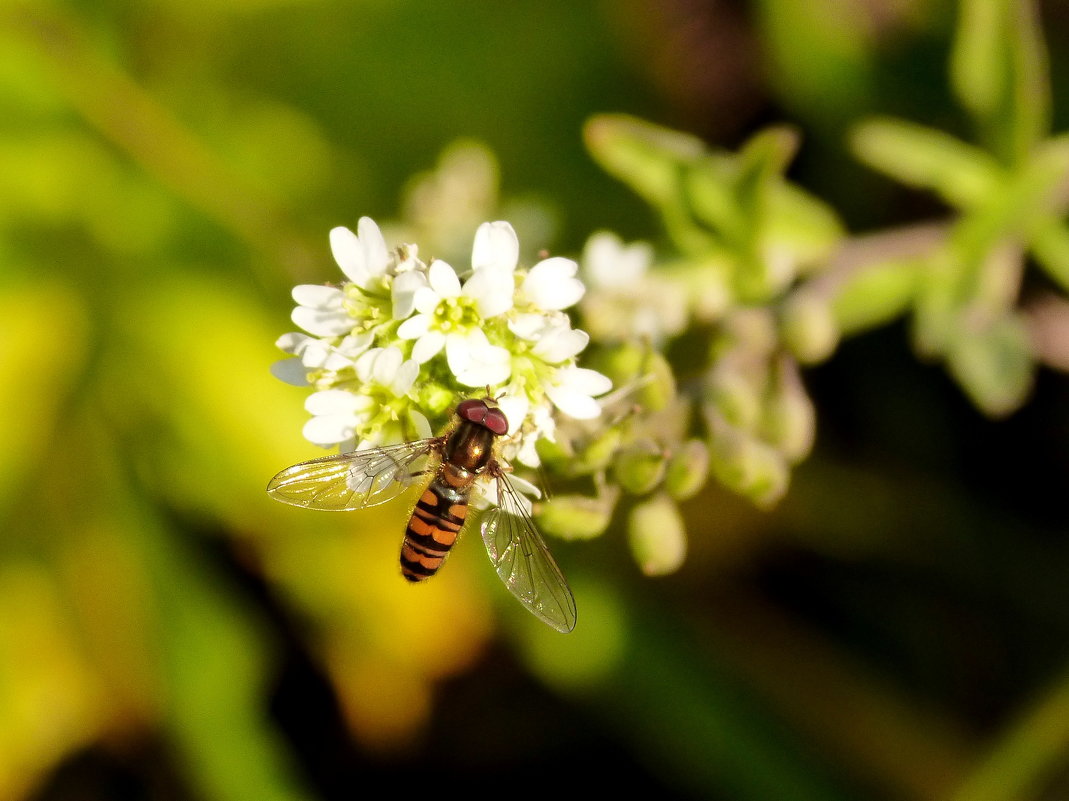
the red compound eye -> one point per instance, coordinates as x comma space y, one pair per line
496, 421
482, 413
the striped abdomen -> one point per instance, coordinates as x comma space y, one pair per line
433, 528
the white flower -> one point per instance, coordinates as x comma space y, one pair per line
496, 247
551, 284
623, 301
573, 391
336, 415
499, 326
312, 353
321, 310
450, 316
554, 340
370, 416
363, 256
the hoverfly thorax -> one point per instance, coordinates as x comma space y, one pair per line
470, 446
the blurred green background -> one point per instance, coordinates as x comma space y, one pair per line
897, 628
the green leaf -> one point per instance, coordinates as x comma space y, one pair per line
801, 225
43, 328
995, 366
876, 294
963, 175
998, 69
644, 156
1050, 247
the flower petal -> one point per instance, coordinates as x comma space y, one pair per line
443, 279
414, 327
405, 377
491, 288
355, 344
608, 263
497, 246
329, 430
558, 343
405, 287
475, 362
292, 371
345, 246
292, 342
322, 322
387, 362
527, 326
428, 346
376, 255
318, 296
573, 390
551, 284
590, 382
419, 422
333, 402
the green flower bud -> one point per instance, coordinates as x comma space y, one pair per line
598, 453
622, 363
735, 391
657, 536
554, 453
576, 517
639, 467
789, 420
687, 470
750, 329
995, 365
658, 387
745, 464
646, 368
436, 399
808, 327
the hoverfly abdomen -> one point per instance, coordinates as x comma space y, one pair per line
432, 529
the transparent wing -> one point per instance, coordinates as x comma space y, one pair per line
355, 480
523, 561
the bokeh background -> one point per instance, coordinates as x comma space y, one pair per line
896, 628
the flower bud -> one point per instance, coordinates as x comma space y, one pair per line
687, 470
555, 453
576, 517
808, 327
598, 453
789, 420
657, 382
622, 364
750, 329
643, 368
745, 464
735, 391
436, 398
657, 536
639, 467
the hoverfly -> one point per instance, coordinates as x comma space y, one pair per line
457, 459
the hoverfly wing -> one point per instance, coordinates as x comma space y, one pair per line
522, 560
354, 480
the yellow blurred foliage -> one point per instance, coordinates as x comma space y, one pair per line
51, 700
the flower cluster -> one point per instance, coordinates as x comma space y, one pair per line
389, 351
